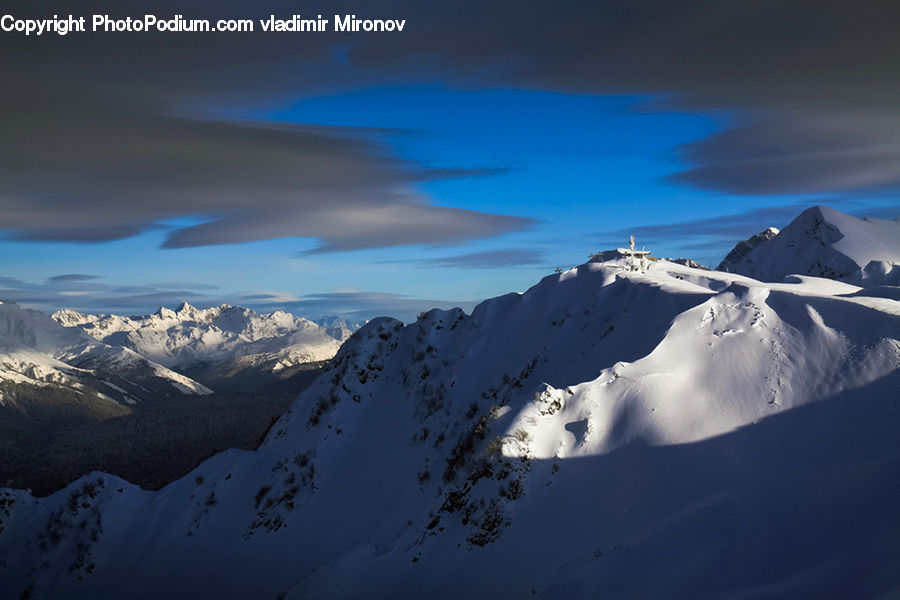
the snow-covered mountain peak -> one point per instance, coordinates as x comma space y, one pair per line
822, 242
744, 247
825, 225
222, 333
609, 428
165, 313
338, 327
37, 350
70, 318
185, 309
22, 328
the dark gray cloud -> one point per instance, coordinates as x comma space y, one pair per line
90, 173
71, 277
511, 257
799, 152
810, 89
108, 135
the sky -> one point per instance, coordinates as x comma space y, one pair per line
467, 156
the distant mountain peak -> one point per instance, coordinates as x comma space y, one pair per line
37, 350
744, 247
185, 309
69, 317
165, 313
338, 327
822, 242
221, 334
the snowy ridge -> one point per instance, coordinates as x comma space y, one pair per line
223, 334
824, 243
36, 351
337, 327
743, 248
660, 434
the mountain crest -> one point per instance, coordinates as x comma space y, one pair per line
744, 247
186, 310
229, 337
822, 242
164, 313
39, 351
577, 436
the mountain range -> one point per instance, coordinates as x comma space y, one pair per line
218, 344
129, 359
36, 352
148, 396
650, 432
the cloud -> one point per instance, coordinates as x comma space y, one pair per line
111, 172
84, 293
366, 305
92, 297
71, 277
11, 282
807, 90
737, 226
794, 152
512, 257
114, 134
119, 134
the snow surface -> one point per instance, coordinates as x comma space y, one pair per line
677, 433
223, 334
36, 350
338, 327
743, 248
825, 243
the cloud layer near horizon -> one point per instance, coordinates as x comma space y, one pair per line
90, 294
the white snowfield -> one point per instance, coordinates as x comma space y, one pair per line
824, 242
339, 328
37, 351
678, 433
189, 335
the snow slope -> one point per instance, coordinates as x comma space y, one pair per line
338, 327
677, 433
732, 262
824, 243
36, 351
230, 338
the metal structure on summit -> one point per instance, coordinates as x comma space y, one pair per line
631, 245
635, 254
637, 259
